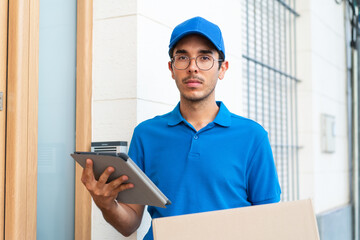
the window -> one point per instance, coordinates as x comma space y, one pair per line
270, 83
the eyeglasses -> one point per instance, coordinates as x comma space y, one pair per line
203, 62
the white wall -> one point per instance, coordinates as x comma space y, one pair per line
156, 91
114, 83
321, 59
131, 81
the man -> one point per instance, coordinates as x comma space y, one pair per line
200, 155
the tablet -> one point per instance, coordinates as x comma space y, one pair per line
145, 192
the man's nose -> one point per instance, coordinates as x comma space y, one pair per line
192, 65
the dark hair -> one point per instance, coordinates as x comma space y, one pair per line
221, 57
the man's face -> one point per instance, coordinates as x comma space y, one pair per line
193, 83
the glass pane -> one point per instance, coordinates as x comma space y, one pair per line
56, 136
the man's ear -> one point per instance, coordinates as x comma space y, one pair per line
224, 67
171, 69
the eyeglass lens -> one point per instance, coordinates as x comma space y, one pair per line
203, 62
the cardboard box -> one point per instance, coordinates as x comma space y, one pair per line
279, 221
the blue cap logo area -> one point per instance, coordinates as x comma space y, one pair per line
198, 25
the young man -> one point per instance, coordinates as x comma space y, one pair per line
200, 155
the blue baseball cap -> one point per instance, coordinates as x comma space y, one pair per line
198, 25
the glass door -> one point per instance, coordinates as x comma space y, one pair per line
56, 130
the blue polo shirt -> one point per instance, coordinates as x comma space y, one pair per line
227, 164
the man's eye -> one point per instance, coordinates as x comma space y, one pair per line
205, 58
182, 58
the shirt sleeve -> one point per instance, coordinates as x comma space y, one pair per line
136, 150
262, 179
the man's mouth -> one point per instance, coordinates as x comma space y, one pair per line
193, 82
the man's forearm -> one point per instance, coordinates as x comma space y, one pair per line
124, 218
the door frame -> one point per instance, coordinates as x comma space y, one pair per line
83, 201
21, 119
19, 64
3, 77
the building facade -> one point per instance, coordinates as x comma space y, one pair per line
292, 68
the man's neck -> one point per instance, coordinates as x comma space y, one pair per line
199, 114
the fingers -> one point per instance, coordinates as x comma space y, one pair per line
102, 192
121, 188
105, 175
111, 189
120, 184
88, 173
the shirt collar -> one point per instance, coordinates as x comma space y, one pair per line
223, 118
175, 116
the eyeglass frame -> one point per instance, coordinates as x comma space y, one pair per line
190, 58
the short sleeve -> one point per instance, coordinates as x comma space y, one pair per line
136, 151
262, 179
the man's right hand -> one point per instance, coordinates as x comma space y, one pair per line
125, 218
104, 194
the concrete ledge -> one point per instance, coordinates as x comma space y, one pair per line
336, 224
